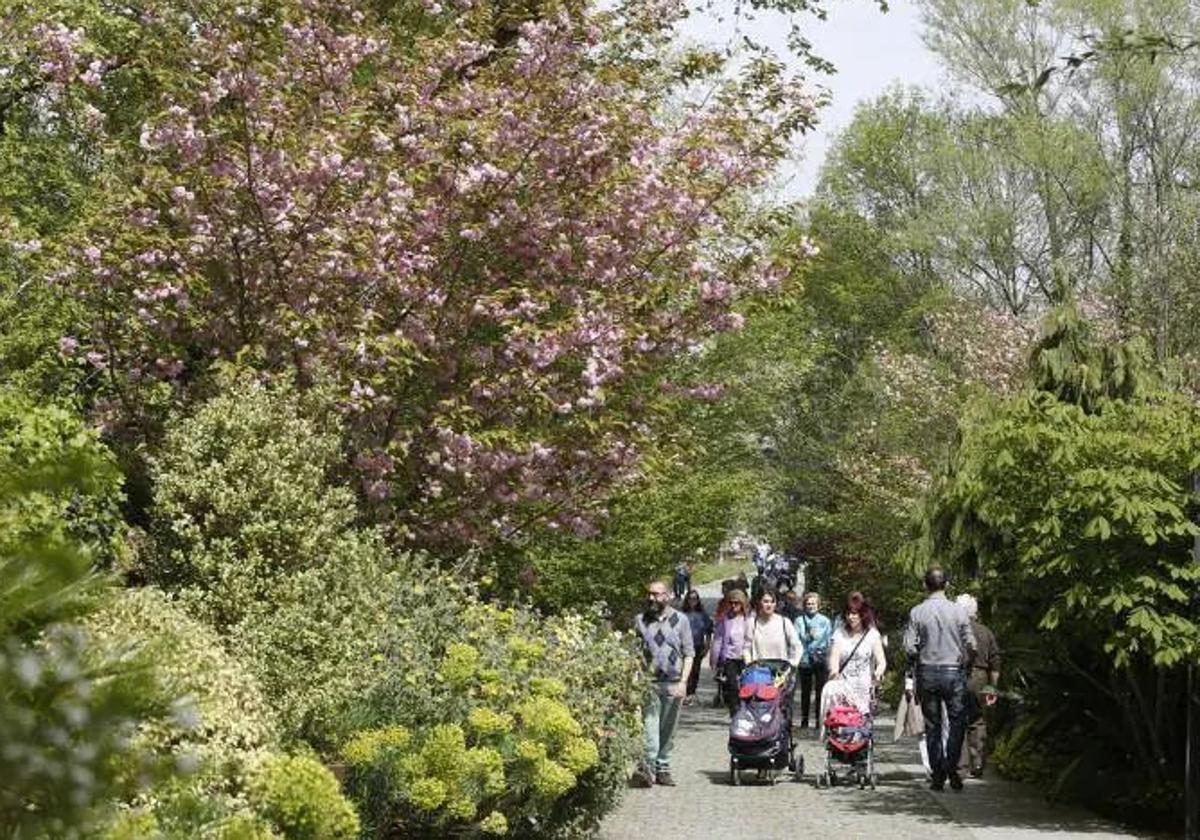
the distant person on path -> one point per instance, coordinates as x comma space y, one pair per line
683, 579
857, 654
667, 645
730, 639
790, 608
815, 632
939, 640
771, 635
702, 630
981, 682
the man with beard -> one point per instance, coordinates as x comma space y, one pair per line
667, 645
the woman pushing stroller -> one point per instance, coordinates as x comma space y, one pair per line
856, 665
857, 655
771, 635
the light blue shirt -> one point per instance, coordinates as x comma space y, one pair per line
816, 637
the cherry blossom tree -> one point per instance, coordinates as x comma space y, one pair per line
486, 225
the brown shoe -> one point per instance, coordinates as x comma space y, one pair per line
642, 778
664, 778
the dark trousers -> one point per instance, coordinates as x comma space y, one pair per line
938, 685
811, 680
733, 672
693, 679
682, 584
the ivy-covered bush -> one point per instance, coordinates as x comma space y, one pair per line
243, 500
537, 721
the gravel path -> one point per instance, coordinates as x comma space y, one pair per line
704, 805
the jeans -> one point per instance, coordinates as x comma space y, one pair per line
660, 715
811, 680
693, 680
938, 685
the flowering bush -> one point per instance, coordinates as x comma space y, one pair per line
538, 723
482, 224
301, 797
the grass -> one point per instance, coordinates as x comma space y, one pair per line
719, 571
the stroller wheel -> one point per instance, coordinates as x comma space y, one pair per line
735, 777
798, 768
874, 780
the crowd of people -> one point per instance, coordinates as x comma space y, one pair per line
953, 663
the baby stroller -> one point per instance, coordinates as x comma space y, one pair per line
760, 731
848, 736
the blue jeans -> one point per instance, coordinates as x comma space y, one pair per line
660, 715
937, 685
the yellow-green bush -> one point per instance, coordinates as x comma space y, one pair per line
538, 720
220, 728
301, 798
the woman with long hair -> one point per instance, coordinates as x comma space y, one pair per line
771, 635
702, 630
730, 639
857, 655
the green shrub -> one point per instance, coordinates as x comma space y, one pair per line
301, 797
537, 721
316, 649
65, 708
242, 499
80, 490
223, 722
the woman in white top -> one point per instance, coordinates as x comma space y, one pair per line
857, 656
771, 635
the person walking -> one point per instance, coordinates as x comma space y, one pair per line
982, 680
857, 654
790, 608
667, 645
815, 632
771, 635
702, 630
729, 641
683, 579
939, 640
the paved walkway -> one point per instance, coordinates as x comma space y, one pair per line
704, 805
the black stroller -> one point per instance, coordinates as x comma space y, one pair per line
760, 732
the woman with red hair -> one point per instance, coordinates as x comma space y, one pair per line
857, 655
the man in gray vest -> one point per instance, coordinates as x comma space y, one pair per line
667, 645
940, 644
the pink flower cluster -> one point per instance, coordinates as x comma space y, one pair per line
487, 247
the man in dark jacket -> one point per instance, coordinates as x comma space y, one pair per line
981, 683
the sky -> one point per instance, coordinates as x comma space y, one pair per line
870, 49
